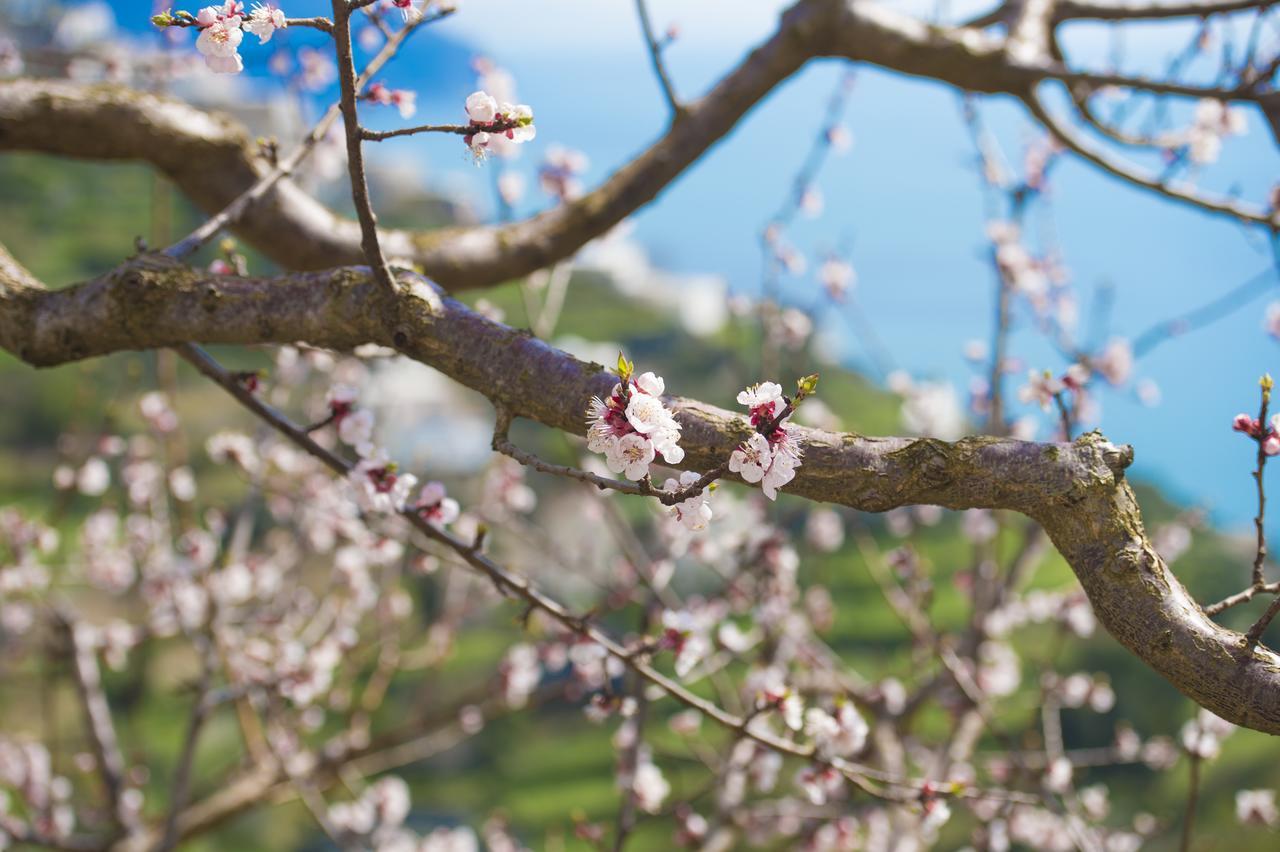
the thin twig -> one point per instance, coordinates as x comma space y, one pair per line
1076, 143
644, 488
1242, 597
1261, 555
868, 779
1254, 636
355, 149
234, 211
1207, 313
655, 56
1189, 810
1064, 414
629, 759
457, 129
181, 784
98, 722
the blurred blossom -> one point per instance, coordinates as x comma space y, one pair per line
1257, 807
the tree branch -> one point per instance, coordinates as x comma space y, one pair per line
655, 57
1134, 10
1069, 137
213, 160
1076, 491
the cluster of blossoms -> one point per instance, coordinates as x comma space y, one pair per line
685, 632
694, 513
1213, 122
771, 455
379, 485
222, 28
491, 120
405, 100
1113, 363
1202, 736
1257, 807
560, 172
1253, 427
1024, 272
929, 409
1043, 387
839, 734
837, 277
408, 9
632, 427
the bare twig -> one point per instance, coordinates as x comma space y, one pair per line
1076, 143
98, 722
870, 780
243, 203
655, 56
1260, 556
644, 488
181, 785
355, 149
629, 759
1189, 810
1205, 314
456, 129
1242, 597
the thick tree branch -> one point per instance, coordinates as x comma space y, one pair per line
1076, 491
213, 160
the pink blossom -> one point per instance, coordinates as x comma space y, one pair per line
435, 506
408, 9
219, 42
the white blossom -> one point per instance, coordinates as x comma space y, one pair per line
649, 785
356, 430
693, 513
264, 21
630, 455
94, 477
1257, 807
378, 486
482, 108
219, 40
752, 459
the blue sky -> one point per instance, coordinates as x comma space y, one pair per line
906, 195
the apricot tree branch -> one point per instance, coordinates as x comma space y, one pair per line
369, 243
213, 160
1077, 143
240, 206
516, 585
1077, 491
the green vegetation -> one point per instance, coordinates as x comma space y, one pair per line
68, 220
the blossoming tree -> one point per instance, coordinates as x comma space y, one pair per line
298, 603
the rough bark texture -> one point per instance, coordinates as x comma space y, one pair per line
1076, 491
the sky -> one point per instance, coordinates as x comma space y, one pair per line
905, 198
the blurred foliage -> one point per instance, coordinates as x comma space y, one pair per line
69, 220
